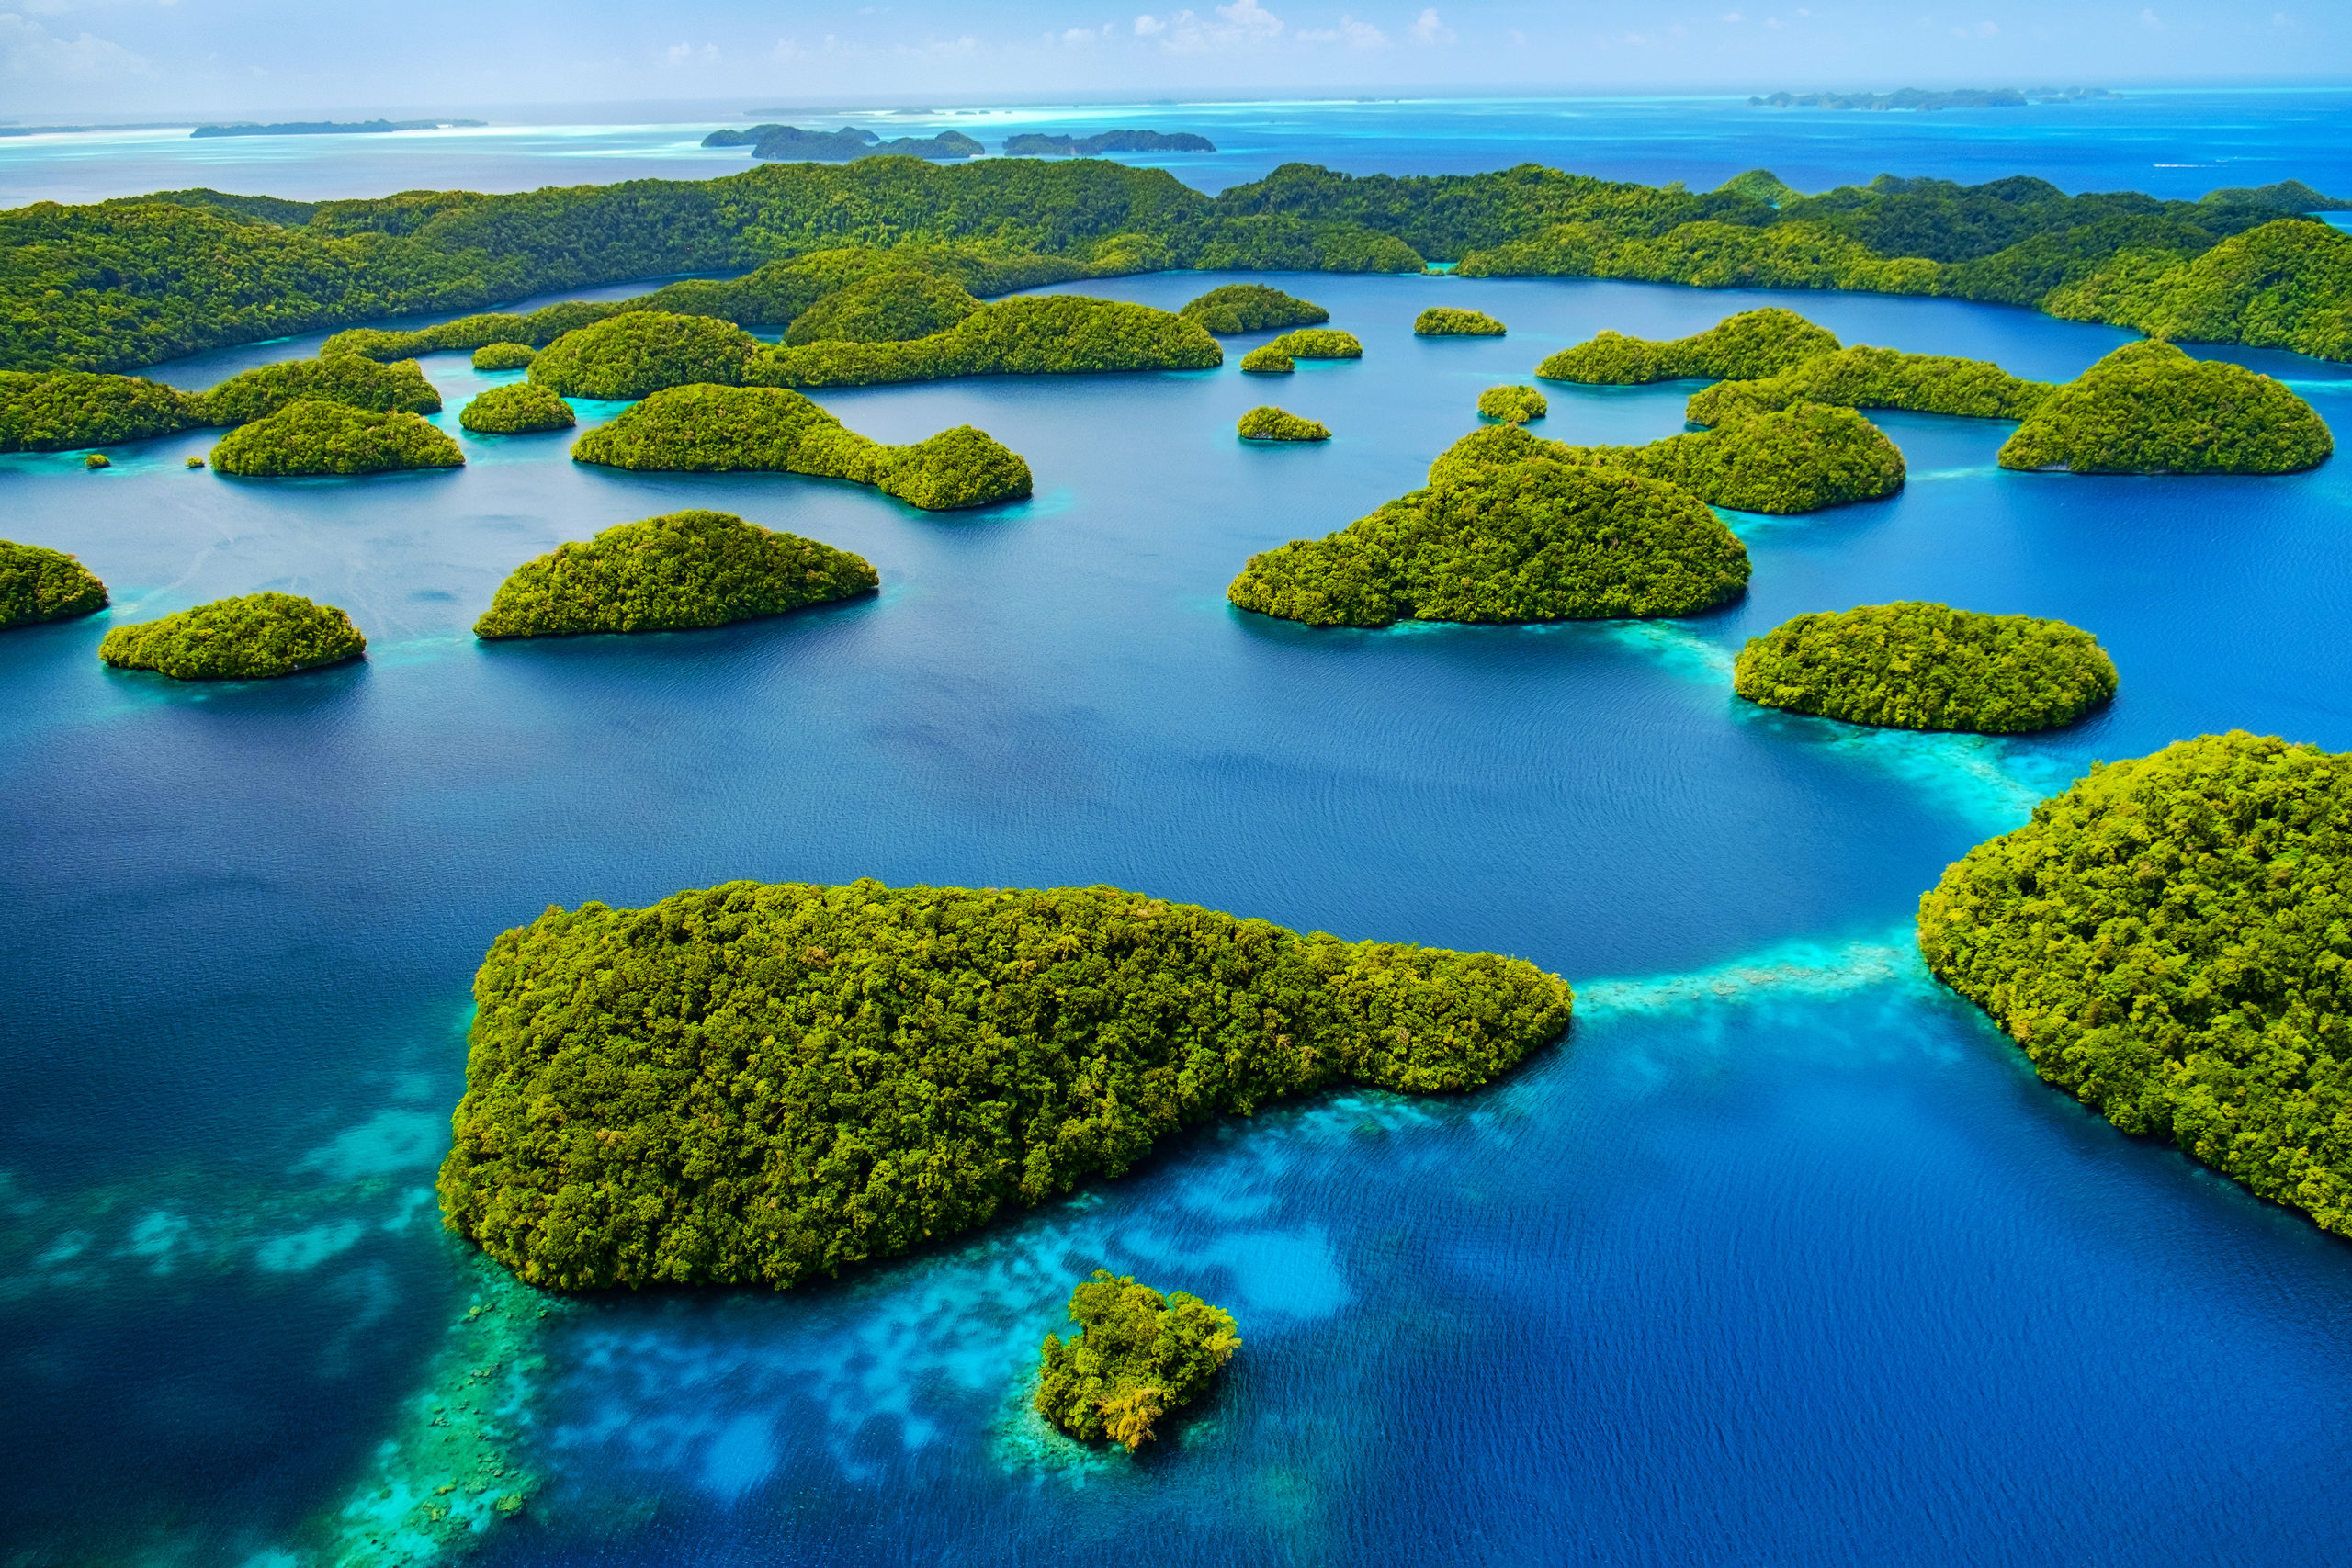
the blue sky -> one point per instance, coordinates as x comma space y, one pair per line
133, 59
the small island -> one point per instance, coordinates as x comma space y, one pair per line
1924, 102
1039, 335
770, 429
1446, 320
1268, 360
1030, 144
329, 438
38, 586
504, 356
1863, 378
519, 410
343, 379
538, 329
62, 410
2149, 409
1267, 422
637, 352
1921, 666
257, 638
1318, 343
789, 143
682, 571
1137, 1356
1744, 347
1251, 308
334, 126
801, 1099
2164, 941
1534, 541
1514, 405
896, 305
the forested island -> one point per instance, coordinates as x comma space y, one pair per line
709, 429
1515, 404
1251, 308
805, 1052
1447, 321
122, 283
1045, 334
1267, 422
40, 585
2149, 408
2165, 942
1921, 666
336, 126
519, 410
340, 379
1137, 1356
671, 573
790, 143
1745, 347
1531, 540
1268, 360
628, 355
1031, 144
1791, 460
310, 437
58, 410
504, 356
1863, 377
256, 638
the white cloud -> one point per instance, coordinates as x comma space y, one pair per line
1077, 35
1242, 25
1358, 35
1731, 15
1147, 24
789, 49
687, 54
1427, 31
30, 50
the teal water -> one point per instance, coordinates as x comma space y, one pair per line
1782, 1256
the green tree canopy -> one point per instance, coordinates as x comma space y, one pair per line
1920, 666
39, 586
2149, 408
330, 438
258, 637
1137, 1356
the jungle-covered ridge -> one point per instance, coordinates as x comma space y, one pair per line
128, 282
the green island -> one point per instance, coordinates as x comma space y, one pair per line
1316, 343
1446, 321
1251, 308
1031, 144
1788, 461
770, 1081
1863, 377
1516, 404
354, 383
130, 282
1530, 540
97, 460
1744, 347
703, 429
638, 352
58, 410
2149, 409
504, 356
1920, 666
39, 586
887, 306
518, 409
684, 570
1267, 422
2165, 942
329, 438
1268, 360
258, 637
1137, 1356
1043, 334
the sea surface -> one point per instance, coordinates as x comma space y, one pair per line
1782, 1256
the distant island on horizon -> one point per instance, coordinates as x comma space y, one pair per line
1922, 100
336, 127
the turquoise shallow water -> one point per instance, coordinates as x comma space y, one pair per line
1782, 1256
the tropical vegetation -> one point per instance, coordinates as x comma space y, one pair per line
1137, 1356
1251, 308
354, 383
1030, 144
2166, 940
758, 1083
59, 410
1268, 360
1447, 321
39, 586
504, 356
680, 571
1267, 422
518, 409
1042, 335
894, 305
629, 355
1516, 404
330, 438
2149, 408
1920, 666
1863, 377
1317, 343
1744, 347
258, 637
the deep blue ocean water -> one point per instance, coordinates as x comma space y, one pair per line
1783, 1257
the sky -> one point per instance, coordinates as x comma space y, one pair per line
126, 60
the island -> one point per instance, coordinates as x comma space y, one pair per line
337, 379
894, 305
1268, 360
789, 143
62, 410
1532, 540
703, 429
1925, 102
1446, 321
735, 1026
40, 585
1791, 460
1031, 144
628, 355
1137, 1356
1744, 347
2149, 409
1318, 343
1922, 666
538, 329
1251, 308
680, 571
1044, 334
1863, 378
504, 356
521, 409
1516, 405
97, 460
2164, 941
336, 126
311, 437
1267, 422
257, 638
